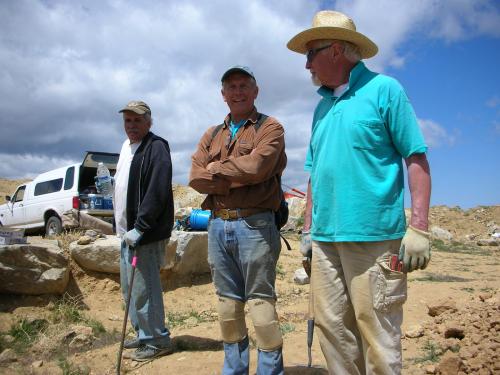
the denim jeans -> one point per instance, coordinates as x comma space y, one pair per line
146, 311
243, 254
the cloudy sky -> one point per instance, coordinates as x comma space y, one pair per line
66, 68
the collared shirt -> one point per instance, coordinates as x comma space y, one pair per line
252, 159
355, 156
121, 185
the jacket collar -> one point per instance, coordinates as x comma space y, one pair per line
252, 119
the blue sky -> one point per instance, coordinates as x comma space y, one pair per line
67, 67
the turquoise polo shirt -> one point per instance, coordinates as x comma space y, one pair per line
355, 159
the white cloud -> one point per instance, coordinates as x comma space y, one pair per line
67, 67
435, 135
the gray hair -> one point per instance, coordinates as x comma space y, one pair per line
351, 51
147, 117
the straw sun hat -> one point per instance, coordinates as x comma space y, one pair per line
329, 24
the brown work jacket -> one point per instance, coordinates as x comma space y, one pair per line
252, 158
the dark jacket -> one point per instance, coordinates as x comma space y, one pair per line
150, 202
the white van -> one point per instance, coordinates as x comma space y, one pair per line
40, 204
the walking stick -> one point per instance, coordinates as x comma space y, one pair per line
125, 318
306, 263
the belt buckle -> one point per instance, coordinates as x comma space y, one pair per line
224, 214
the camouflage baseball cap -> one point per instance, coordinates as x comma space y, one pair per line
136, 106
237, 69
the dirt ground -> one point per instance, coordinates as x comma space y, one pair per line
459, 270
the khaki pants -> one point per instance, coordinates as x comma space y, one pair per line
358, 306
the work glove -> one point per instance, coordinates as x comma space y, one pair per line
306, 244
132, 237
415, 250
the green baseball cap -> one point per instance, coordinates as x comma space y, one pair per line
237, 69
136, 106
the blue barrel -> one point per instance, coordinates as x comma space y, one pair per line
198, 220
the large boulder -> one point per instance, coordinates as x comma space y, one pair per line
187, 253
39, 267
102, 255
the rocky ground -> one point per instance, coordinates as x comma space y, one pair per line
452, 317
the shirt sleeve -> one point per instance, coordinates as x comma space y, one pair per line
262, 163
200, 179
402, 123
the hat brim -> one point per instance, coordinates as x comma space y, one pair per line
366, 46
234, 71
135, 110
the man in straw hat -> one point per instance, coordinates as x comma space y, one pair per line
363, 126
144, 216
238, 164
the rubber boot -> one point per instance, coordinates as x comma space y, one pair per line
236, 358
270, 363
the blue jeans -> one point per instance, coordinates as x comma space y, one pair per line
146, 311
243, 254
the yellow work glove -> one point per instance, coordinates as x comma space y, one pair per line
415, 251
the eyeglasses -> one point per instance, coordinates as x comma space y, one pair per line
314, 51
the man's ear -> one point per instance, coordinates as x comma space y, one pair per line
223, 96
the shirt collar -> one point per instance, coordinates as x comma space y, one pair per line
253, 118
354, 76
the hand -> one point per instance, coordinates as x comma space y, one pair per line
306, 244
415, 251
210, 167
132, 237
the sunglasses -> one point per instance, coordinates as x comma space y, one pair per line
314, 51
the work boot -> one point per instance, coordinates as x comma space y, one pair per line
236, 358
146, 352
132, 343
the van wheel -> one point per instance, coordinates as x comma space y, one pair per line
53, 226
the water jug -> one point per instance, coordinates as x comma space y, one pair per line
104, 183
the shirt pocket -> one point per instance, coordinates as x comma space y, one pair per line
369, 135
214, 154
244, 148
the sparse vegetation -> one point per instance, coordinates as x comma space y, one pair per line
24, 333
431, 353
457, 247
280, 272
175, 319
286, 328
70, 369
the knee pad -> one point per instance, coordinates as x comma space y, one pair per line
265, 322
231, 320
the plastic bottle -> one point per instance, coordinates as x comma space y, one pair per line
103, 181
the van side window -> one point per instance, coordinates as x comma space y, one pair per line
19, 196
69, 179
48, 187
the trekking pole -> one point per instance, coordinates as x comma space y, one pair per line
125, 318
306, 263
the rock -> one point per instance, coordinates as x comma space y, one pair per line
300, 277
79, 337
415, 331
37, 364
441, 234
471, 237
84, 240
8, 356
441, 306
453, 329
430, 369
191, 322
450, 364
488, 242
185, 196
40, 267
187, 254
94, 234
102, 255
484, 296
